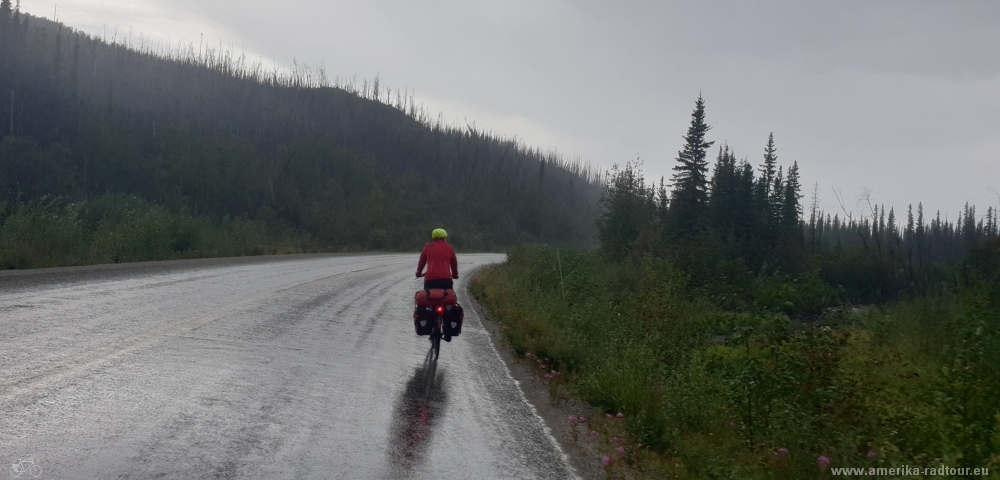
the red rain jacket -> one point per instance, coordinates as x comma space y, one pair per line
440, 260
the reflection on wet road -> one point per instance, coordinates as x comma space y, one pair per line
419, 405
303, 367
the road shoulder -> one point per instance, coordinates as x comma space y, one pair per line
583, 454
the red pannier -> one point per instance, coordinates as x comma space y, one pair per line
423, 313
435, 297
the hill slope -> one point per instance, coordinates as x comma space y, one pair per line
211, 135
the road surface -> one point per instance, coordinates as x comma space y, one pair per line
295, 367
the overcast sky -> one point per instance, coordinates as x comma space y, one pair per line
899, 97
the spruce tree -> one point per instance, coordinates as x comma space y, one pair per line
744, 200
920, 220
813, 208
909, 223
776, 200
890, 224
5, 25
690, 180
767, 171
790, 208
722, 189
764, 192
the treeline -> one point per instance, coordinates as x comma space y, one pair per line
748, 213
202, 131
740, 221
914, 239
720, 333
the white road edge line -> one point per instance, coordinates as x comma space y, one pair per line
524, 398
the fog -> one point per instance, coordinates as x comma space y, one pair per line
899, 98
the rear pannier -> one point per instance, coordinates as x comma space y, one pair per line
423, 320
453, 318
427, 301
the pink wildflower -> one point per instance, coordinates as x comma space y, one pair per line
615, 439
572, 419
823, 463
527, 355
581, 419
593, 433
620, 450
620, 415
606, 461
608, 415
872, 455
783, 451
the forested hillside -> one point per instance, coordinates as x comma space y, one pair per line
201, 133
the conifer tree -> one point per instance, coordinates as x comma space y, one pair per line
813, 207
767, 171
744, 199
909, 223
768, 168
690, 180
776, 200
5, 23
790, 208
920, 220
721, 192
891, 222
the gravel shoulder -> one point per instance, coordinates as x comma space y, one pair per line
583, 453
28, 278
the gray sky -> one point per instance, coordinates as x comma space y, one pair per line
900, 97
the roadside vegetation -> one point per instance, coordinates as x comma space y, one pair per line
52, 232
739, 339
714, 392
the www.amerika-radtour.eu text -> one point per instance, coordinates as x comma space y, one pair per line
907, 471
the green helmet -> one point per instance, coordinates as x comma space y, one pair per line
439, 233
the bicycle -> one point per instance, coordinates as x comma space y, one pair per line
25, 466
436, 313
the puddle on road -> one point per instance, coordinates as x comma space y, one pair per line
415, 416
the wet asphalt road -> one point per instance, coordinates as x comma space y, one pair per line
302, 367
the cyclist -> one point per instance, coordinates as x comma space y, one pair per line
439, 258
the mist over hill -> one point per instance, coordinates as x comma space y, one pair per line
201, 132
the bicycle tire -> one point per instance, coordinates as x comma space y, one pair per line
34, 470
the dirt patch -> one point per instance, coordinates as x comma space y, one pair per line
583, 452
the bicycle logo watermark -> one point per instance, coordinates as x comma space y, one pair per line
25, 465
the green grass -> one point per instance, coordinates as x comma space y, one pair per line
713, 393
